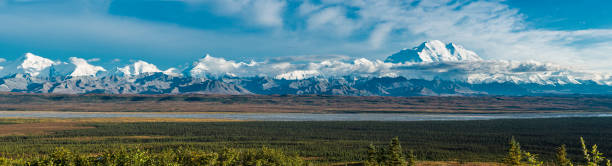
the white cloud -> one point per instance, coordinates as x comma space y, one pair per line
172, 72
467, 71
210, 65
306, 8
137, 68
93, 60
289, 68
260, 12
380, 34
269, 12
495, 71
2, 60
331, 19
303, 67
101, 32
492, 28
361, 28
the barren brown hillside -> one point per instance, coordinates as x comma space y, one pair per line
291, 103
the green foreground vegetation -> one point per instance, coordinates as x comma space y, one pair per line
329, 142
138, 157
392, 155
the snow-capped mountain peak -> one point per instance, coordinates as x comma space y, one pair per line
432, 68
82, 68
214, 66
298, 75
434, 51
30, 64
462, 54
33, 64
137, 68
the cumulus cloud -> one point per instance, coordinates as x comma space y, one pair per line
210, 65
288, 68
307, 58
493, 71
303, 67
172, 72
492, 28
486, 71
138, 67
371, 29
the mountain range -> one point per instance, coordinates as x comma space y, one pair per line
431, 68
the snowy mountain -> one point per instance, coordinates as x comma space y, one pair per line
298, 75
37, 66
432, 68
77, 67
28, 64
214, 67
434, 51
141, 67
82, 68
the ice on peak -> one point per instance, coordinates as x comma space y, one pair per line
76, 67
138, 67
29, 63
298, 75
33, 64
434, 51
83, 68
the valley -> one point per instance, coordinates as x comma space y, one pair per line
318, 143
320, 129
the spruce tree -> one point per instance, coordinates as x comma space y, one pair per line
411, 158
561, 157
373, 156
515, 155
396, 157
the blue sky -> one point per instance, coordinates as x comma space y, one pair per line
565, 14
175, 32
